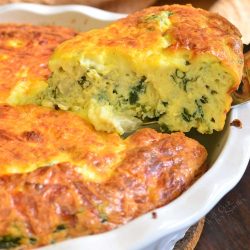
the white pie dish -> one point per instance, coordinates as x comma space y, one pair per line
229, 152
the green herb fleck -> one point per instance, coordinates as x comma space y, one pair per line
180, 78
159, 16
164, 103
186, 115
32, 240
59, 228
7, 242
213, 92
199, 112
164, 128
133, 97
55, 92
136, 90
83, 82
204, 99
102, 96
103, 217
180, 74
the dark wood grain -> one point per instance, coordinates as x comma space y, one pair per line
227, 226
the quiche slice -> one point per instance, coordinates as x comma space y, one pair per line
60, 178
175, 64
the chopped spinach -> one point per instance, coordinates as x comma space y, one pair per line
55, 92
204, 99
164, 103
186, 115
213, 92
59, 228
159, 16
83, 82
102, 96
180, 74
164, 128
187, 62
103, 217
170, 13
7, 241
199, 111
32, 240
136, 90
133, 97
180, 78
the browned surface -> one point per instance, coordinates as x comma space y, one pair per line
236, 11
150, 171
196, 30
24, 54
32, 136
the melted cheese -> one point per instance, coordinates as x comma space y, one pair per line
32, 137
25, 51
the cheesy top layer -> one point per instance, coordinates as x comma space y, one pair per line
24, 54
33, 137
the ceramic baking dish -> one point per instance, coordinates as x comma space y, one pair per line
229, 153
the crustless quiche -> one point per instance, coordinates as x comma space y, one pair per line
176, 64
61, 178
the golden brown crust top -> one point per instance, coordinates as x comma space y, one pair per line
56, 202
32, 136
24, 53
191, 28
183, 26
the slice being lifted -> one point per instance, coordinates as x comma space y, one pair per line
176, 64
